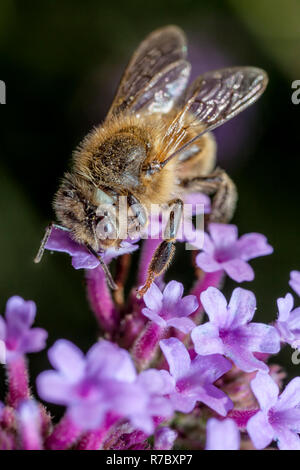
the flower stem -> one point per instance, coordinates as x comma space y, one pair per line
63, 435
93, 440
146, 345
100, 300
18, 386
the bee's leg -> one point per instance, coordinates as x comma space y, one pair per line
223, 192
111, 283
164, 253
48, 231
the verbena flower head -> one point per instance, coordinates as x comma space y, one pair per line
60, 240
295, 281
230, 331
288, 322
16, 331
194, 379
169, 308
222, 435
91, 385
279, 416
223, 250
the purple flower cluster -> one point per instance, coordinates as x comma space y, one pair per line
163, 367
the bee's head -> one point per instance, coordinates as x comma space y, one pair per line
76, 205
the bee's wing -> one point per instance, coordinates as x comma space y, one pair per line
156, 75
211, 100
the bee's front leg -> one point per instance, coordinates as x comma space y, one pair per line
223, 192
164, 253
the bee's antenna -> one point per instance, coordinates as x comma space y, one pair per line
40, 253
111, 283
48, 231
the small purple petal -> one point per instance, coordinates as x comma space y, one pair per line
252, 245
241, 307
187, 305
207, 263
262, 338
154, 317
34, 340
215, 305
67, 359
265, 390
290, 397
222, 234
287, 440
244, 359
185, 325
222, 435
295, 281
215, 399
260, 431
20, 310
176, 355
172, 294
206, 340
119, 366
239, 270
52, 387
285, 306
153, 297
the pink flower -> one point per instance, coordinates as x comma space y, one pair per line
224, 251
169, 308
230, 331
279, 416
193, 379
16, 331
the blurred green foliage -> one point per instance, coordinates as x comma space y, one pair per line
61, 61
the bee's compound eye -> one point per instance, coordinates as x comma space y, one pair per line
106, 229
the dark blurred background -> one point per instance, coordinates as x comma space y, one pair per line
61, 62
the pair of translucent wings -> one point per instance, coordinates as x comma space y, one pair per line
156, 80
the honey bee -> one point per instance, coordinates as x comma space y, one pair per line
154, 147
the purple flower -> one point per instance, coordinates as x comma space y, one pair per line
91, 385
164, 438
16, 331
193, 379
60, 240
288, 323
279, 416
104, 381
295, 281
224, 251
168, 308
222, 435
230, 332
